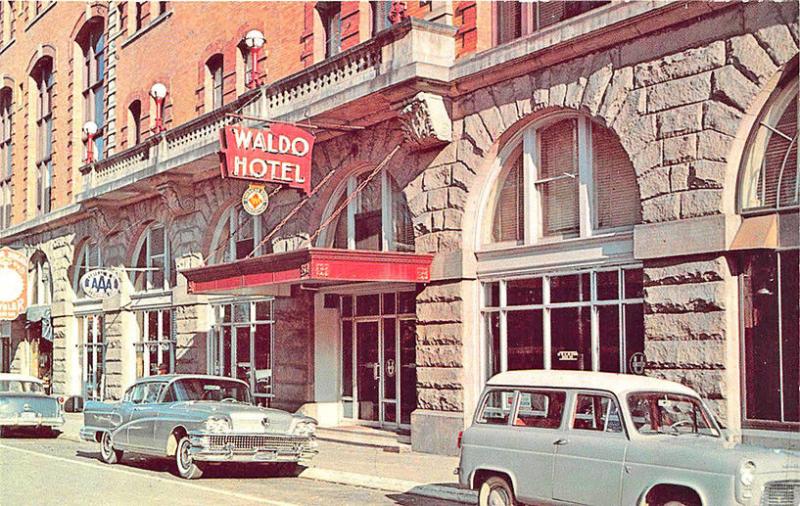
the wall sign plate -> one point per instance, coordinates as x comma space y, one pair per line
100, 283
255, 199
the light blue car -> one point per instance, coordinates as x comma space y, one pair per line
24, 406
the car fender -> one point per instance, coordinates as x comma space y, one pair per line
491, 469
675, 483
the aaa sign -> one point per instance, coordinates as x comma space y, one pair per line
280, 154
13, 283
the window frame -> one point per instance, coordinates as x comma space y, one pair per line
331, 17
215, 72
597, 393
536, 390
94, 83
135, 117
84, 265
165, 344
44, 82
146, 243
6, 155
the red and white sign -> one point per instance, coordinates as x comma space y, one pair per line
13, 283
279, 154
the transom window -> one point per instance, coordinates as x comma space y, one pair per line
153, 270
93, 71
6, 156
585, 320
769, 169
376, 219
88, 259
43, 78
566, 177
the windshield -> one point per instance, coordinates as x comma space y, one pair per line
17, 386
201, 389
666, 413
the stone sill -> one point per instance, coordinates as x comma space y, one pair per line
142, 31
7, 45
500, 250
40, 15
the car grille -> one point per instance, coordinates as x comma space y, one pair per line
781, 493
249, 443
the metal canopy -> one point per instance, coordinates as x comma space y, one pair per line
265, 275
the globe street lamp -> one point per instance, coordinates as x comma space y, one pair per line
254, 40
159, 92
90, 130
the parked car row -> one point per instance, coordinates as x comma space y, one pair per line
557, 437
25, 406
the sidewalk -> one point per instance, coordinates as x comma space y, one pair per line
365, 466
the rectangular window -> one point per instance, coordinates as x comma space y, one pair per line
331, 13
6, 158
93, 92
93, 350
541, 409
153, 265
558, 178
380, 15
598, 413
155, 349
509, 21
44, 145
496, 408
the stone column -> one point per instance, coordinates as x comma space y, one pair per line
293, 374
192, 323
120, 332
66, 353
691, 329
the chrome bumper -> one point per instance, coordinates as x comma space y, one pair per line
251, 448
37, 421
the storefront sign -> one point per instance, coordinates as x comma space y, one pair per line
637, 363
13, 283
568, 355
255, 199
100, 284
280, 154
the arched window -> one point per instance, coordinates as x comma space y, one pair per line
6, 158
377, 218
563, 177
237, 235
93, 46
135, 123
214, 82
88, 259
43, 113
40, 282
153, 264
769, 171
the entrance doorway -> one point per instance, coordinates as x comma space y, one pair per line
379, 377
241, 345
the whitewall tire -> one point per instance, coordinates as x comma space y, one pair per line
186, 467
496, 491
107, 451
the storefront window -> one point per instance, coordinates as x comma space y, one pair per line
581, 181
377, 218
242, 344
155, 350
771, 325
588, 320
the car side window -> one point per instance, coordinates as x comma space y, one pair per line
152, 391
597, 412
542, 409
138, 394
169, 396
496, 408
128, 395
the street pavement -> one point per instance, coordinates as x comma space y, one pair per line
64, 473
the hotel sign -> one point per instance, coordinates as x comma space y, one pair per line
279, 154
13, 283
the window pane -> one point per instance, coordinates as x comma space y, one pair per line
509, 21
496, 407
634, 332
571, 338
608, 317
525, 340
388, 303
559, 159
406, 303
520, 292
403, 226
367, 305
616, 190
633, 283
347, 359
608, 285
491, 322
491, 294
340, 236
598, 413
263, 359
790, 334
157, 274
509, 207
540, 409
570, 288
157, 241
368, 216
347, 305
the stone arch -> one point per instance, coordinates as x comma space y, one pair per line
42, 51
94, 10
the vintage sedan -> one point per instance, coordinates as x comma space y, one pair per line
25, 406
197, 420
557, 437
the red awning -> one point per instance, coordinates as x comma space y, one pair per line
314, 266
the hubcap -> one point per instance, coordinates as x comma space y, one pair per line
106, 446
499, 497
183, 456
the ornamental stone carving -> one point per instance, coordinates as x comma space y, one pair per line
425, 121
178, 198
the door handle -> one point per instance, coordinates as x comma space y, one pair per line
560, 442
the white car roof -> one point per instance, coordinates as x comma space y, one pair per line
619, 384
18, 377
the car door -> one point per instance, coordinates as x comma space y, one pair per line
536, 423
122, 414
590, 454
141, 427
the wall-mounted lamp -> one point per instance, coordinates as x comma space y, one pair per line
90, 130
254, 40
159, 92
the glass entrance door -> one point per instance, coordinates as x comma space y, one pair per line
368, 371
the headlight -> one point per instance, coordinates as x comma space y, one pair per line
217, 424
305, 429
747, 474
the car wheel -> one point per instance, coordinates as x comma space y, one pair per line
187, 468
107, 451
496, 492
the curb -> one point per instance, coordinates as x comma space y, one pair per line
443, 492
